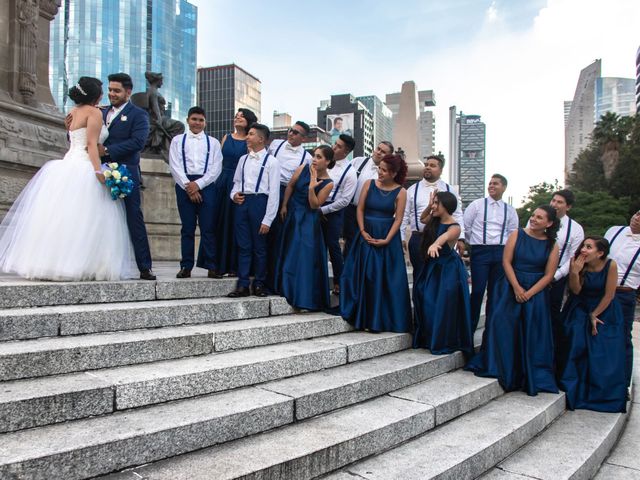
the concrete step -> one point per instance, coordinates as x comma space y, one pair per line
25, 293
467, 446
53, 356
327, 442
27, 323
623, 462
573, 447
89, 447
33, 402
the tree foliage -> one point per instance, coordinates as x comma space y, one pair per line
611, 162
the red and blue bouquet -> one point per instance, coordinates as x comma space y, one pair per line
118, 180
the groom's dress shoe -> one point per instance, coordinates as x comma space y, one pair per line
183, 273
240, 292
147, 275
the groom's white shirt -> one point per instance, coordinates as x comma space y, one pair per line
114, 112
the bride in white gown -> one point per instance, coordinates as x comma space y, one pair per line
64, 225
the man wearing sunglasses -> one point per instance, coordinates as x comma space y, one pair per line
290, 154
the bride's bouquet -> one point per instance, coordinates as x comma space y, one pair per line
118, 180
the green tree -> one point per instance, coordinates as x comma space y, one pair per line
539, 194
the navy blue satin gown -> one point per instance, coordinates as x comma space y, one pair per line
301, 273
517, 344
442, 310
591, 369
226, 247
374, 289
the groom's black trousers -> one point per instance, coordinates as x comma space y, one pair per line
135, 222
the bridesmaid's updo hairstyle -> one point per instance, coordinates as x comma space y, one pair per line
552, 231
327, 152
86, 92
398, 166
601, 243
430, 233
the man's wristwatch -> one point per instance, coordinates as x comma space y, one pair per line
106, 152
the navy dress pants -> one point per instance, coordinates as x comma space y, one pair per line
332, 229
416, 255
486, 269
627, 301
192, 215
252, 247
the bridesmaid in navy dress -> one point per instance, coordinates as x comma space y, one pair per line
233, 147
374, 290
301, 270
591, 363
517, 345
441, 291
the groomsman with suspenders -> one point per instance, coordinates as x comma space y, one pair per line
418, 196
366, 169
488, 222
570, 236
256, 194
625, 250
345, 182
195, 161
290, 155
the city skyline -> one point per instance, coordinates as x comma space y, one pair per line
514, 63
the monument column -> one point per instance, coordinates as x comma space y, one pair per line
31, 127
405, 132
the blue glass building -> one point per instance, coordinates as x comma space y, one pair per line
99, 37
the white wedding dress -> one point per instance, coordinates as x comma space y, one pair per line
65, 226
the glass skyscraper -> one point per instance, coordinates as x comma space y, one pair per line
98, 37
222, 90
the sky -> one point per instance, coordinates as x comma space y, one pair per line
513, 62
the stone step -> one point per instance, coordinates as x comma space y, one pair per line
94, 446
36, 322
327, 442
26, 293
573, 447
54, 356
33, 402
467, 446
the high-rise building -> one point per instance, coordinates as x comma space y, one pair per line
567, 110
382, 119
281, 120
594, 96
617, 95
467, 156
426, 119
346, 114
222, 90
98, 37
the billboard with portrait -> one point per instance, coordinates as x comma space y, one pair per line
339, 124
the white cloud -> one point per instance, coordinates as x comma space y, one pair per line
492, 12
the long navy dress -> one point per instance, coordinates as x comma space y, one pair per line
591, 369
374, 290
301, 273
226, 247
517, 345
441, 304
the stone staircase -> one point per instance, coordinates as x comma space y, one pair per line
172, 380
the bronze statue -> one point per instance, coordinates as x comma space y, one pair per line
162, 127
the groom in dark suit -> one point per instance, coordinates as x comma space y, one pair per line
128, 131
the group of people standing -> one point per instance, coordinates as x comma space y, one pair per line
559, 308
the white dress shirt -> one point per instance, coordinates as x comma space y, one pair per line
623, 250
195, 149
366, 169
289, 158
497, 229
574, 238
342, 191
411, 217
113, 113
249, 167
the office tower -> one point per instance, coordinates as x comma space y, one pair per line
382, 119
98, 37
346, 114
222, 90
467, 155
